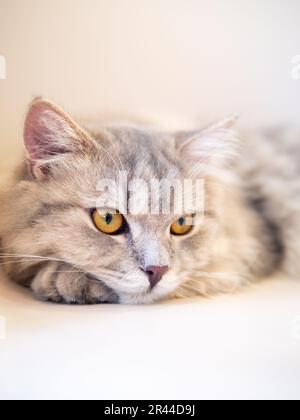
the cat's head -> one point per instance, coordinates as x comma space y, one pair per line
98, 200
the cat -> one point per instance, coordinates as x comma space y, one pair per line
58, 241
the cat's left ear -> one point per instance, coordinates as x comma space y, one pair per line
49, 135
209, 148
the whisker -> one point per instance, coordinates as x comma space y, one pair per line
103, 273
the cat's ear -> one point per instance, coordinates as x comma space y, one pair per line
209, 148
50, 134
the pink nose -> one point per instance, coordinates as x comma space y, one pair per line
155, 274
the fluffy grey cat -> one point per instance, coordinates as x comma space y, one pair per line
56, 239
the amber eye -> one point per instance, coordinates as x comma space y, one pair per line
108, 221
183, 226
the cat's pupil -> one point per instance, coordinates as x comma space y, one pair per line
108, 218
181, 221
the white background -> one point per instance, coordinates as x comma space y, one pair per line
176, 61
189, 59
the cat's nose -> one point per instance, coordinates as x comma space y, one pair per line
155, 274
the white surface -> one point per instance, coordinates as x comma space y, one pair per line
241, 346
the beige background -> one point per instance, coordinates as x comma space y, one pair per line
165, 58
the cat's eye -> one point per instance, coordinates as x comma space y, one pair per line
182, 226
109, 222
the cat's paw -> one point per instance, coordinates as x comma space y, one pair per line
60, 283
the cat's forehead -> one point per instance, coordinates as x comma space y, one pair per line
142, 153
128, 164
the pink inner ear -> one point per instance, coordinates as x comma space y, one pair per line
47, 133
43, 127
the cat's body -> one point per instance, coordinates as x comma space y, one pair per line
49, 242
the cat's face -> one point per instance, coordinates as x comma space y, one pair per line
114, 234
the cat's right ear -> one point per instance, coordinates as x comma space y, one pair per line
50, 134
